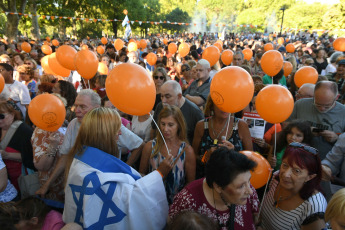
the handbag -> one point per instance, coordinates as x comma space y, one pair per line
28, 184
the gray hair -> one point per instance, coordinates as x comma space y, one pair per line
335, 56
95, 98
239, 53
328, 85
175, 86
204, 63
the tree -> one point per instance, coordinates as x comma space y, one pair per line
177, 15
13, 15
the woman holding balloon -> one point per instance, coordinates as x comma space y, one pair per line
294, 200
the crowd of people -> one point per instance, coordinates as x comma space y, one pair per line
180, 166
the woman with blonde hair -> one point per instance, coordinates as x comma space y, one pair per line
335, 212
98, 183
173, 127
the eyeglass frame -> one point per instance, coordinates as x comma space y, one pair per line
327, 107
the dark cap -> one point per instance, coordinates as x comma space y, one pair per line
341, 62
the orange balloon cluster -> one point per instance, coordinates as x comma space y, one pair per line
172, 47
131, 89
272, 62
262, 172
229, 83
47, 112
46, 49
248, 54
268, 46
56, 67
104, 40
290, 48
45, 65
339, 44
26, 47
118, 44
211, 54
274, 103
102, 68
306, 74
183, 49
86, 63
151, 58
227, 57
65, 55
100, 50
287, 66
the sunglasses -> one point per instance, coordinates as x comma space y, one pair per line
160, 77
304, 147
2, 116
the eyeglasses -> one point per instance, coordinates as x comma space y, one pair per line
326, 107
160, 77
2, 116
304, 147
184, 70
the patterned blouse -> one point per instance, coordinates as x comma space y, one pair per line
176, 178
40, 144
193, 198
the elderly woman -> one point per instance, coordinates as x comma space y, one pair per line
225, 195
107, 193
15, 145
294, 200
219, 130
159, 77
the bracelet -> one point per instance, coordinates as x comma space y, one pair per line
160, 173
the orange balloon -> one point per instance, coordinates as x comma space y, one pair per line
262, 172
219, 41
151, 58
339, 44
132, 46
248, 54
47, 112
102, 68
26, 47
86, 63
2, 83
84, 47
131, 40
45, 65
183, 49
48, 39
229, 83
65, 55
56, 67
219, 46
172, 47
165, 41
227, 56
306, 74
131, 89
272, 62
125, 11
100, 50
280, 41
118, 44
274, 103
287, 68
211, 54
104, 40
46, 49
143, 43
290, 48
268, 46
55, 42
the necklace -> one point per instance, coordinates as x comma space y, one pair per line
281, 198
221, 225
215, 141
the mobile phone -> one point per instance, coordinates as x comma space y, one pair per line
316, 130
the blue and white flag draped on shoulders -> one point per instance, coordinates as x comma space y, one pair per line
102, 192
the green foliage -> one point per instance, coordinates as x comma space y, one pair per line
177, 15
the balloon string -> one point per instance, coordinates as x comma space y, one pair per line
263, 198
275, 140
227, 126
160, 133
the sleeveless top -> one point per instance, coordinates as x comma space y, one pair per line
175, 180
207, 142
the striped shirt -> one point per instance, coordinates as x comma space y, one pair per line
275, 218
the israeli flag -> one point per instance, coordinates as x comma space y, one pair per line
128, 31
125, 21
102, 192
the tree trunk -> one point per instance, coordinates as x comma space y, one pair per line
114, 28
12, 26
35, 30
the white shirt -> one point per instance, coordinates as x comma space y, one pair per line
19, 93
